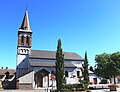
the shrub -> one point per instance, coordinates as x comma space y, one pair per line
80, 89
78, 86
67, 86
88, 91
73, 87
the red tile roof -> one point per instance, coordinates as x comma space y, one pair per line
11, 71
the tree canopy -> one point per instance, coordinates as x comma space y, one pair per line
59, 67
108, 65
85, 71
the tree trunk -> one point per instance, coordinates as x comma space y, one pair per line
114, 80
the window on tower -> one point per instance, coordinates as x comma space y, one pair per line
27, 40
22, 40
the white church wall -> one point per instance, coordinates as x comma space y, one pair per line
71, 71
75, 72
45, 81
72, 74
20, 61
71, 80
27, 78
23, 66
78, 64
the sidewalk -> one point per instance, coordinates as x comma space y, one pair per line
105, 90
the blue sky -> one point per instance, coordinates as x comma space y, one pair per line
82, 25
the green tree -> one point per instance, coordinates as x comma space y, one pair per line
102, 65
108, 65
85, 72
59, 67
115, 65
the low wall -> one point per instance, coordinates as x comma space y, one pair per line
25, 86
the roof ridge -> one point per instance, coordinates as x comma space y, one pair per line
51, 51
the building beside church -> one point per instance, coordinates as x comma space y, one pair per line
7, 78
35, 67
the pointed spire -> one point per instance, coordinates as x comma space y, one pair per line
25, 24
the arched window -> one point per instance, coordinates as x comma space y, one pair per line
24, 50
21, 50
52, 72
22, 39
66, 73
78, 73
27, 40
27, 51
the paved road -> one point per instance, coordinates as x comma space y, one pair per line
105, 90
24, 91
96, 90
100, 90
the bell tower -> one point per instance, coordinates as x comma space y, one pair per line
23, 47
24, 36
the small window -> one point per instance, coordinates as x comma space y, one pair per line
66, 73
21, 50
27, 40
24, 50
78, 73
95, 80
27, 51
22, 40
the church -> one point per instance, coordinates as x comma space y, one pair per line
34, 68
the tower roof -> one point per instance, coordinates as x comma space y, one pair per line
25, 23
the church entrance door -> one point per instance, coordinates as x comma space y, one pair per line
40, 80
39, 76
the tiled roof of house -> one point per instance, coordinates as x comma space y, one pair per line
42, 54
11, 71
50, 64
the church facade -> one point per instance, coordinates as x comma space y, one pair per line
36, 68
